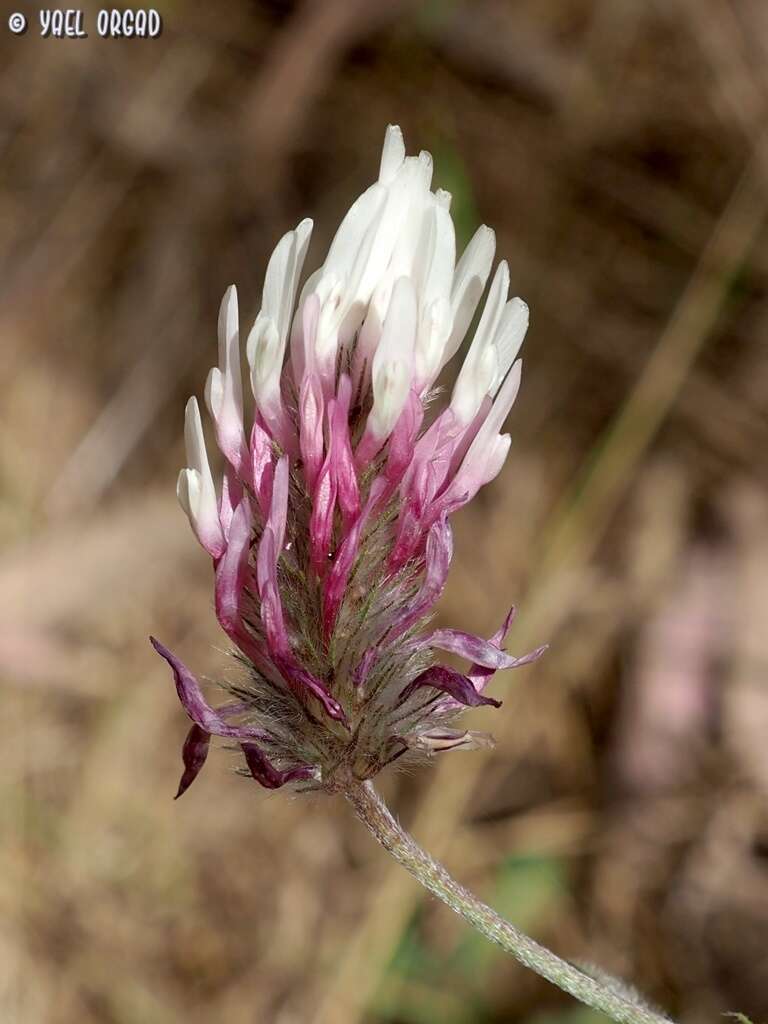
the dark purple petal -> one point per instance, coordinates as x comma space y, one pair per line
303, 680
447, 680
265, 772
196, 706
193, 753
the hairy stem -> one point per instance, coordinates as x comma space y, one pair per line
374, 813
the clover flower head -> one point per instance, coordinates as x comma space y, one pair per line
330, 533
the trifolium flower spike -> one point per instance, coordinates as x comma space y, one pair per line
330, 533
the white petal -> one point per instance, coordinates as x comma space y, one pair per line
229, 323
411, 212
469, 281
434, 330
194, 439
276, 278
473, 381
494, 307
187, 490
443, 198
503, 401
440, 260
352, 232
491, 460
282, 277
231, 384
214, 392
195, 488
392, 155
265, 357
488, 451
473, 385
509, 338
392, 368
425, 166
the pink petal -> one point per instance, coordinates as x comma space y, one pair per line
401, 442
261, 466
338, 577
321, 519
437, 562
278, 511
311, 411
231, 494
343, 463
231, 571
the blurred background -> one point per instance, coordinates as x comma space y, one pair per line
619, 149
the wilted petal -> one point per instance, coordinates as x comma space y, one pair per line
265, 772
481, 674
447, 680
475, 649
304, 681
196, 706
193, 753
434, 741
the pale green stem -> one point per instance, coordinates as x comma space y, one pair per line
374, 813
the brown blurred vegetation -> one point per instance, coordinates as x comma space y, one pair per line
620, 151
